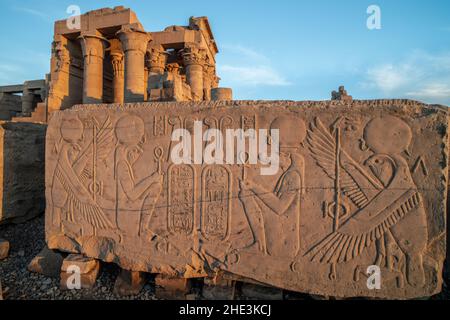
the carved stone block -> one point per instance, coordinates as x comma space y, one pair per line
357, 198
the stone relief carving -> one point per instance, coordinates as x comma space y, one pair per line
73, 198
388, 202
348, 194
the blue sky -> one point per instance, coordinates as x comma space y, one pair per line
286, 49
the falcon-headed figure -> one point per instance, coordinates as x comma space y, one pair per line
387, 200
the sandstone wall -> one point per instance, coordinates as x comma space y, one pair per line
22, 155
361, 183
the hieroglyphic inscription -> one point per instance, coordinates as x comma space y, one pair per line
216, 202
181, 198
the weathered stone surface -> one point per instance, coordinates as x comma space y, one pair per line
115, 195
47, 262
129, 283
22, 155
4, 249
84, 263
172, 288
87, 279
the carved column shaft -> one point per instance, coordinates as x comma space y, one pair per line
93, 52
134, 44
194, 58
209, 74
58, 88
156, 62
27, 101
118, 76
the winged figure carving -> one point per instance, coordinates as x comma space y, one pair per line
383, 196
75, 172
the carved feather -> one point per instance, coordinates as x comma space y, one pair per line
89, 210
323, 149
355, 236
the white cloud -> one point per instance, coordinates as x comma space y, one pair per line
246, 53
387, 77
252, 76
432, 90
246, 67
34, 12
421, 76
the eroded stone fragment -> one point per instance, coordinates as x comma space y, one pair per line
172, 288
4, 249
357, 196
87, 279
47, 262
83, 263
129, 283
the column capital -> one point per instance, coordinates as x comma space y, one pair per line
156, 58
133, 39
93, 46
117, 63
193, 54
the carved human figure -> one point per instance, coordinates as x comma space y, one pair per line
134, 195
390, 207
274, 215
70, 196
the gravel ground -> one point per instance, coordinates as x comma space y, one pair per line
27, 240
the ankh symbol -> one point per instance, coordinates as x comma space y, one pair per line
244, 157
158, 156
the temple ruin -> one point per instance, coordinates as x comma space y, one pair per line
359, 183
114, 60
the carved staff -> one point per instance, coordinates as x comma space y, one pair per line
337, 188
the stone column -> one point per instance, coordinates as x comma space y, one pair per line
194, 59
117, 57
134, 44
156, 62
146, 72
93, 53
27, 102
209, 75
59, 79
